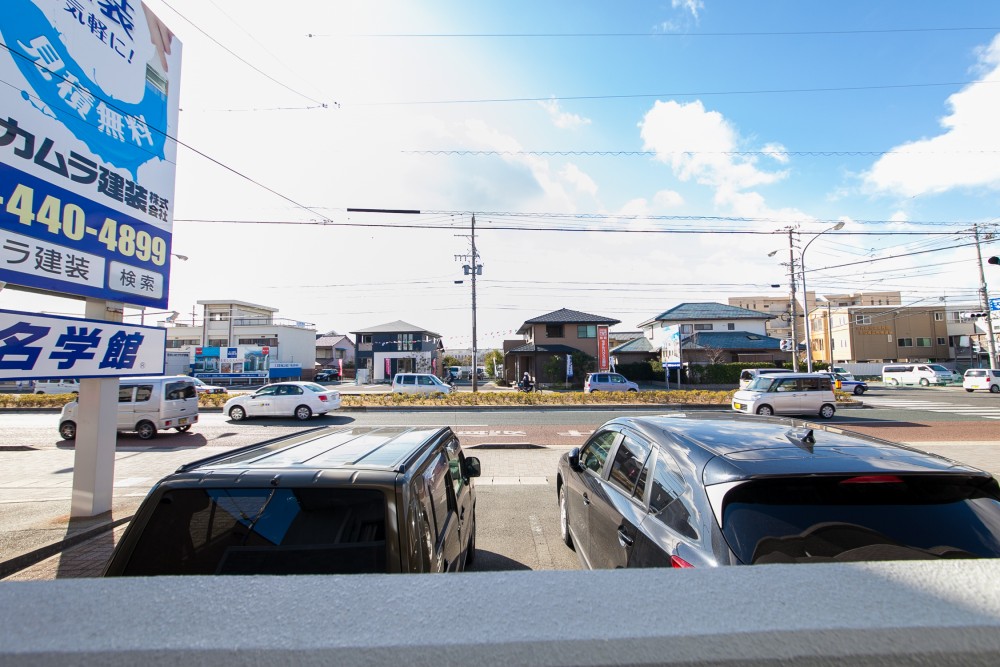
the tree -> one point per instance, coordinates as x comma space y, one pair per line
555, 369
449, 360
583, 363
493, 361
714, 355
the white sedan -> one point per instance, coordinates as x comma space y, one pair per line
203, 388
301, 400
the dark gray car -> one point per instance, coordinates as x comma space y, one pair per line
709, 490
325, 501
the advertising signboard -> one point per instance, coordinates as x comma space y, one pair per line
36, 346
670, 353
87, 152
994, 304
603, 352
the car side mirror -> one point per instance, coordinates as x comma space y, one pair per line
574, 459
472, 467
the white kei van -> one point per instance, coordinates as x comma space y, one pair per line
56, 387
419, 383
922, 374
146, 405
748, 375
788, 394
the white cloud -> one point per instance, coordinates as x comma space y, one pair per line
675, 131
693, 6
951, 159
563, 119
573, 175
668, 199
776, 152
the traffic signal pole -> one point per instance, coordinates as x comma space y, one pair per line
986, 302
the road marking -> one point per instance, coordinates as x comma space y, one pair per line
494, 433
541, 545
572, 433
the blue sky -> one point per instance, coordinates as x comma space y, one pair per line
687, 86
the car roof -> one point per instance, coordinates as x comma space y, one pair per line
730, 447
387, 448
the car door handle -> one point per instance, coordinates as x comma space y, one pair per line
624, 539
586, 499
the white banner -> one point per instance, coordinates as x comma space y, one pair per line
36, 346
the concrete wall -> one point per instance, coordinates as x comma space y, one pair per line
941, 613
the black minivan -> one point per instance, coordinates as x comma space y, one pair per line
330, 500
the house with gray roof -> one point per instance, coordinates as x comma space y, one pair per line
716, 333
559, 333
334, 350
396, 347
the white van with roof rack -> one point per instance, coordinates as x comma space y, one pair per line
146, 405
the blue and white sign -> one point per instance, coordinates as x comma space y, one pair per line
87, 158
46, 346
994, 304
671, 345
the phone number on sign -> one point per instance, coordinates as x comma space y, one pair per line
70, 220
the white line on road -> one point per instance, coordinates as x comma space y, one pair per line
541, 546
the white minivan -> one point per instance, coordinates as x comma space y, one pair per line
146, 405
922, 374
788, 394
750, 374
56, 387
419, 383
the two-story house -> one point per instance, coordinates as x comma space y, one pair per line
559, 333
396, 347
716, 333
334, 350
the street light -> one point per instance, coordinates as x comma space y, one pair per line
805, 292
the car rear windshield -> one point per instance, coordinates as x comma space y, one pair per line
975, 374
263, 531
872, 517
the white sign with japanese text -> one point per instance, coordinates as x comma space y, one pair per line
36, 346
88, 117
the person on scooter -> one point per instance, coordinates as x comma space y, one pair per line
526, 384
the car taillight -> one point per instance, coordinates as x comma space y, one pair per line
874, 479
322, 397
677, 561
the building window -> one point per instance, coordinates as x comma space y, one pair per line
731, 326
685, 328
923, 342
273, 342
365, 338
553, 331
939, 317
218, 342
941, 341
862, 319
406, 341
703, 327
905, 342
586, 331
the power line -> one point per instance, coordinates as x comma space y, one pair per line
243, 60
629, 153
770, 33
703, 93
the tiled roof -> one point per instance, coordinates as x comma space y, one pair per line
333, 341
566, 316
687, 312
641, 344
531, 348
731, 340
398, 326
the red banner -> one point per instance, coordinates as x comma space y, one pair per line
603, 353
340, 367
388, 369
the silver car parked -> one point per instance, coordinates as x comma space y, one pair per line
608, 382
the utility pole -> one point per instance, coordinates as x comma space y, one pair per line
986, 301
791, 274
475, 351
474, 268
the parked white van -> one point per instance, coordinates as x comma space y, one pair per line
146, 405
750, 374
922, 374
57, 387
788, 394
419, 383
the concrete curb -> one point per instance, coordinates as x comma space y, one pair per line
26, 560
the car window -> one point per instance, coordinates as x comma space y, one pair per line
617, 379
456, 464
408, 379
125, 393
317, 388
785, 385
813, 384
176, 391
263, 531
438, 477
836, 518
269, 390
627, 464
424, 380
595, 452
666, 497
143, 392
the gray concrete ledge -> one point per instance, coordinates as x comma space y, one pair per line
913, 613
